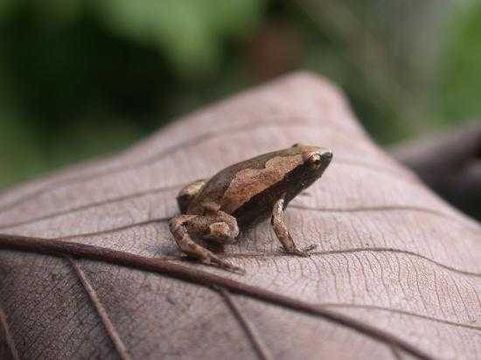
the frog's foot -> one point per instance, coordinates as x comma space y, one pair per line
225, 265
214, 261
305, 252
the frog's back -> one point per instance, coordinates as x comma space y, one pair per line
215, 189
244, 183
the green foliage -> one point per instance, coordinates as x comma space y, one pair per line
85, 77
460, 86
190, 32
19, 154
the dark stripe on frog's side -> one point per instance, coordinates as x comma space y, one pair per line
260, 206
216, 187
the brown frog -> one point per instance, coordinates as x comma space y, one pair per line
243, 194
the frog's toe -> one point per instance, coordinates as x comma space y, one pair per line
309, 248
305, 252
227, 266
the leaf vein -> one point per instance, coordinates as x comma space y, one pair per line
100, 309
8, 335
260, 348
403, 312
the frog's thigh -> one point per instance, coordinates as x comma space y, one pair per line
180, 227
187, 194
282, 232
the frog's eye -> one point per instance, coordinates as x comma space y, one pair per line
314, 160
296, 145
317, 158
311, 158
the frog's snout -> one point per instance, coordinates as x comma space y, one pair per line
326, 155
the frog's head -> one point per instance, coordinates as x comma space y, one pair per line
313, 161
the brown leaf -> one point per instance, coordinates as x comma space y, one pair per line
88, 268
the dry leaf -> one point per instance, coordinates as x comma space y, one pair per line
88, 268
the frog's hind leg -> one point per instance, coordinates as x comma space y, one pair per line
215, 228
282, 232
188, 193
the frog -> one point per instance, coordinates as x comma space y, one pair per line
213, 212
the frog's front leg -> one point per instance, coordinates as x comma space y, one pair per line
188, 193
218, 227
282, 232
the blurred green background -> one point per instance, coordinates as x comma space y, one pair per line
85, 77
